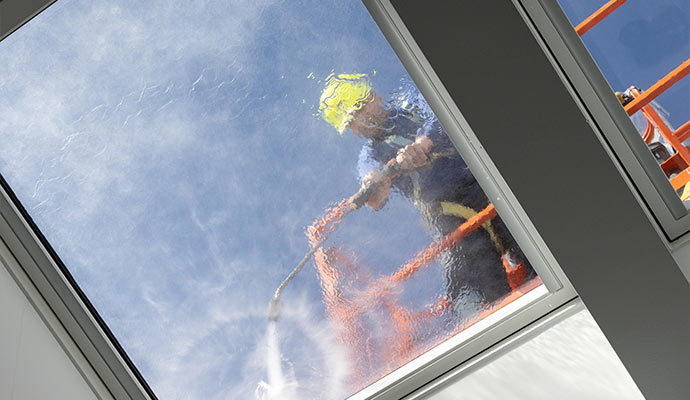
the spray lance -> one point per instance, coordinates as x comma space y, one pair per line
390, 170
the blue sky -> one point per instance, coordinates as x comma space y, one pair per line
170, 153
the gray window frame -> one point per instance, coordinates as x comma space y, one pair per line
64, 308
14, 13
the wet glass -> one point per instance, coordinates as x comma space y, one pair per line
184, 158
638, 44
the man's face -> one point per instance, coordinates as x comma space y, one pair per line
367, 120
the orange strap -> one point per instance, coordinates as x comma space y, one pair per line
429, 254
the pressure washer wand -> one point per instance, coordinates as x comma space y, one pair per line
391, 169
275, 306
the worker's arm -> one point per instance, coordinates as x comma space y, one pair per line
415, 154
409, 157
377, 199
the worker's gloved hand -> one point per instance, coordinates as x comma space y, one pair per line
414, 155
377, 199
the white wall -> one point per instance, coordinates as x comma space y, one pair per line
33, 366
571, 360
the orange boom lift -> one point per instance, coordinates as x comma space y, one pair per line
676, 166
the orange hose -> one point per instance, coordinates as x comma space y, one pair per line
429, 254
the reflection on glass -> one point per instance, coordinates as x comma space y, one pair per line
642, 48
176, 155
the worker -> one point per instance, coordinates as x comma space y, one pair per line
446, 192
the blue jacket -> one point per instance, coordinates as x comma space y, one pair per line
448, 179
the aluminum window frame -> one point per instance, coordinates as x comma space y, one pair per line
44, 308
507, 345
64, 308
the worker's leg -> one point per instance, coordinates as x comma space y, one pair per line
511, 248
473, 270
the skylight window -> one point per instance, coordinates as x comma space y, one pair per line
642, 49
184, 159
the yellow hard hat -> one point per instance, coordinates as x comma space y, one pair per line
344, 94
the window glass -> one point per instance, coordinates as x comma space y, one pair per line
636, 45
184, 157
